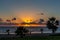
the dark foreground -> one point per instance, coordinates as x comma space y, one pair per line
32, 37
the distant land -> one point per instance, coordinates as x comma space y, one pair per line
23, 24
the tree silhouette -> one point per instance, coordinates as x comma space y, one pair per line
52, 23
21, 31
13, 19
9, 21
1, 20
41, 31
41, 21
8, 31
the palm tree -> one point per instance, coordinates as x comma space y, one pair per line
8, 31
14, 19
52, 24
41, 31
21, 31
41, 21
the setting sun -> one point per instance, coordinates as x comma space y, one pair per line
27, 20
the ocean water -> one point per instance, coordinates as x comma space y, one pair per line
32, 29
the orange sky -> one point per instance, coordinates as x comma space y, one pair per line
30, 15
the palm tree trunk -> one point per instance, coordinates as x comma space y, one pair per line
41, 32
8, 33
53, 31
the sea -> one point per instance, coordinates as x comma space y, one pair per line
31, 29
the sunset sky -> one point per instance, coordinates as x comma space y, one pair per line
29, 9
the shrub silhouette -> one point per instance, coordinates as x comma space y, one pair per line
21, 31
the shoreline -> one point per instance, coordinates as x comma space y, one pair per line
29, 35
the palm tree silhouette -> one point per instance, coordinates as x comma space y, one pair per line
41, 31
41, 21
14, 19
8, 31
52, 24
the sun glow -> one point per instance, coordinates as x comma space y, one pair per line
27, 20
